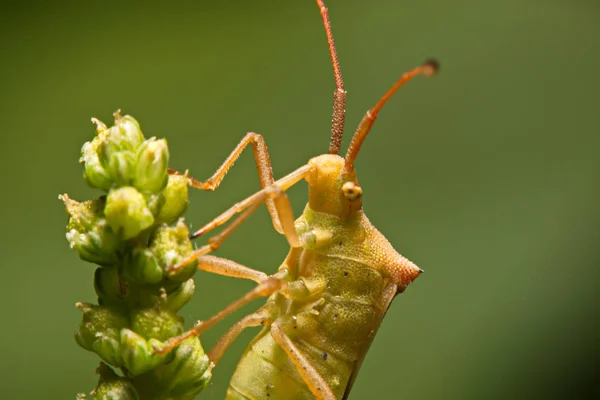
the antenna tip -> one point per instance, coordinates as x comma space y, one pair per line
430, 67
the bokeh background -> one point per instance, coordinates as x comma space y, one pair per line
487, 176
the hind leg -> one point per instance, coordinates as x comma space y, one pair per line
309, 374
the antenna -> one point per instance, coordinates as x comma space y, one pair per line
339, 95
428, 68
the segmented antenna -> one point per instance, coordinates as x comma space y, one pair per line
428, 68
339, 95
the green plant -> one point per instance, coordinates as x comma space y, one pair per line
134, 233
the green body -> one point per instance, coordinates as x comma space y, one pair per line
341, 282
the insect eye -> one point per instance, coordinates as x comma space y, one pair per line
351, 191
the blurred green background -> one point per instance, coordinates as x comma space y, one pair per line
487, 176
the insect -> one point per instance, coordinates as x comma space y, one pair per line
327, 299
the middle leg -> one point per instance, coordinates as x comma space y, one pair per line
263, 289
225, 267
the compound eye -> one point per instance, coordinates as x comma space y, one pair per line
351, 191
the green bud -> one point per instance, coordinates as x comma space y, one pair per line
152, 162
156, 323
155, 202
94, 173
180, 296
127, 213
129, 129
94, 246
83, 216
99, 331
109, 350
116, 160
138, 354
182, 378
113, 387
141, 266
170, 245
176, 199
190, 372
108, 286
109, 158
89, 233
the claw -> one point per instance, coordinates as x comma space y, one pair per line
159, 350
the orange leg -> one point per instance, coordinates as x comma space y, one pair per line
263, 164
225, 267
251, 320
263, 289
247, 207
313, 379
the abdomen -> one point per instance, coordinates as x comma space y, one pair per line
265, 372
333, 347
333, 330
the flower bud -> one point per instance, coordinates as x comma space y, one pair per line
129, 129
152, 162
83, 216
96, 246
170, 245
156, 323
185, 376
94, 173
109, 158
180, 296
138, 354
155, 203
141, 266
116, 160
99, 331
89, 233
176, 199
127, 213
113, 387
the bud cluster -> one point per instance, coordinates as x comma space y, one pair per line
134, 233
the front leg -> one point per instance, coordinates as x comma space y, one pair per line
245, 208
263, 164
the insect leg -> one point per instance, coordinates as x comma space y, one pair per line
251, 320
273, 191
214, 242
263, 164
313, 379
223, 266
247, 207
263, 289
